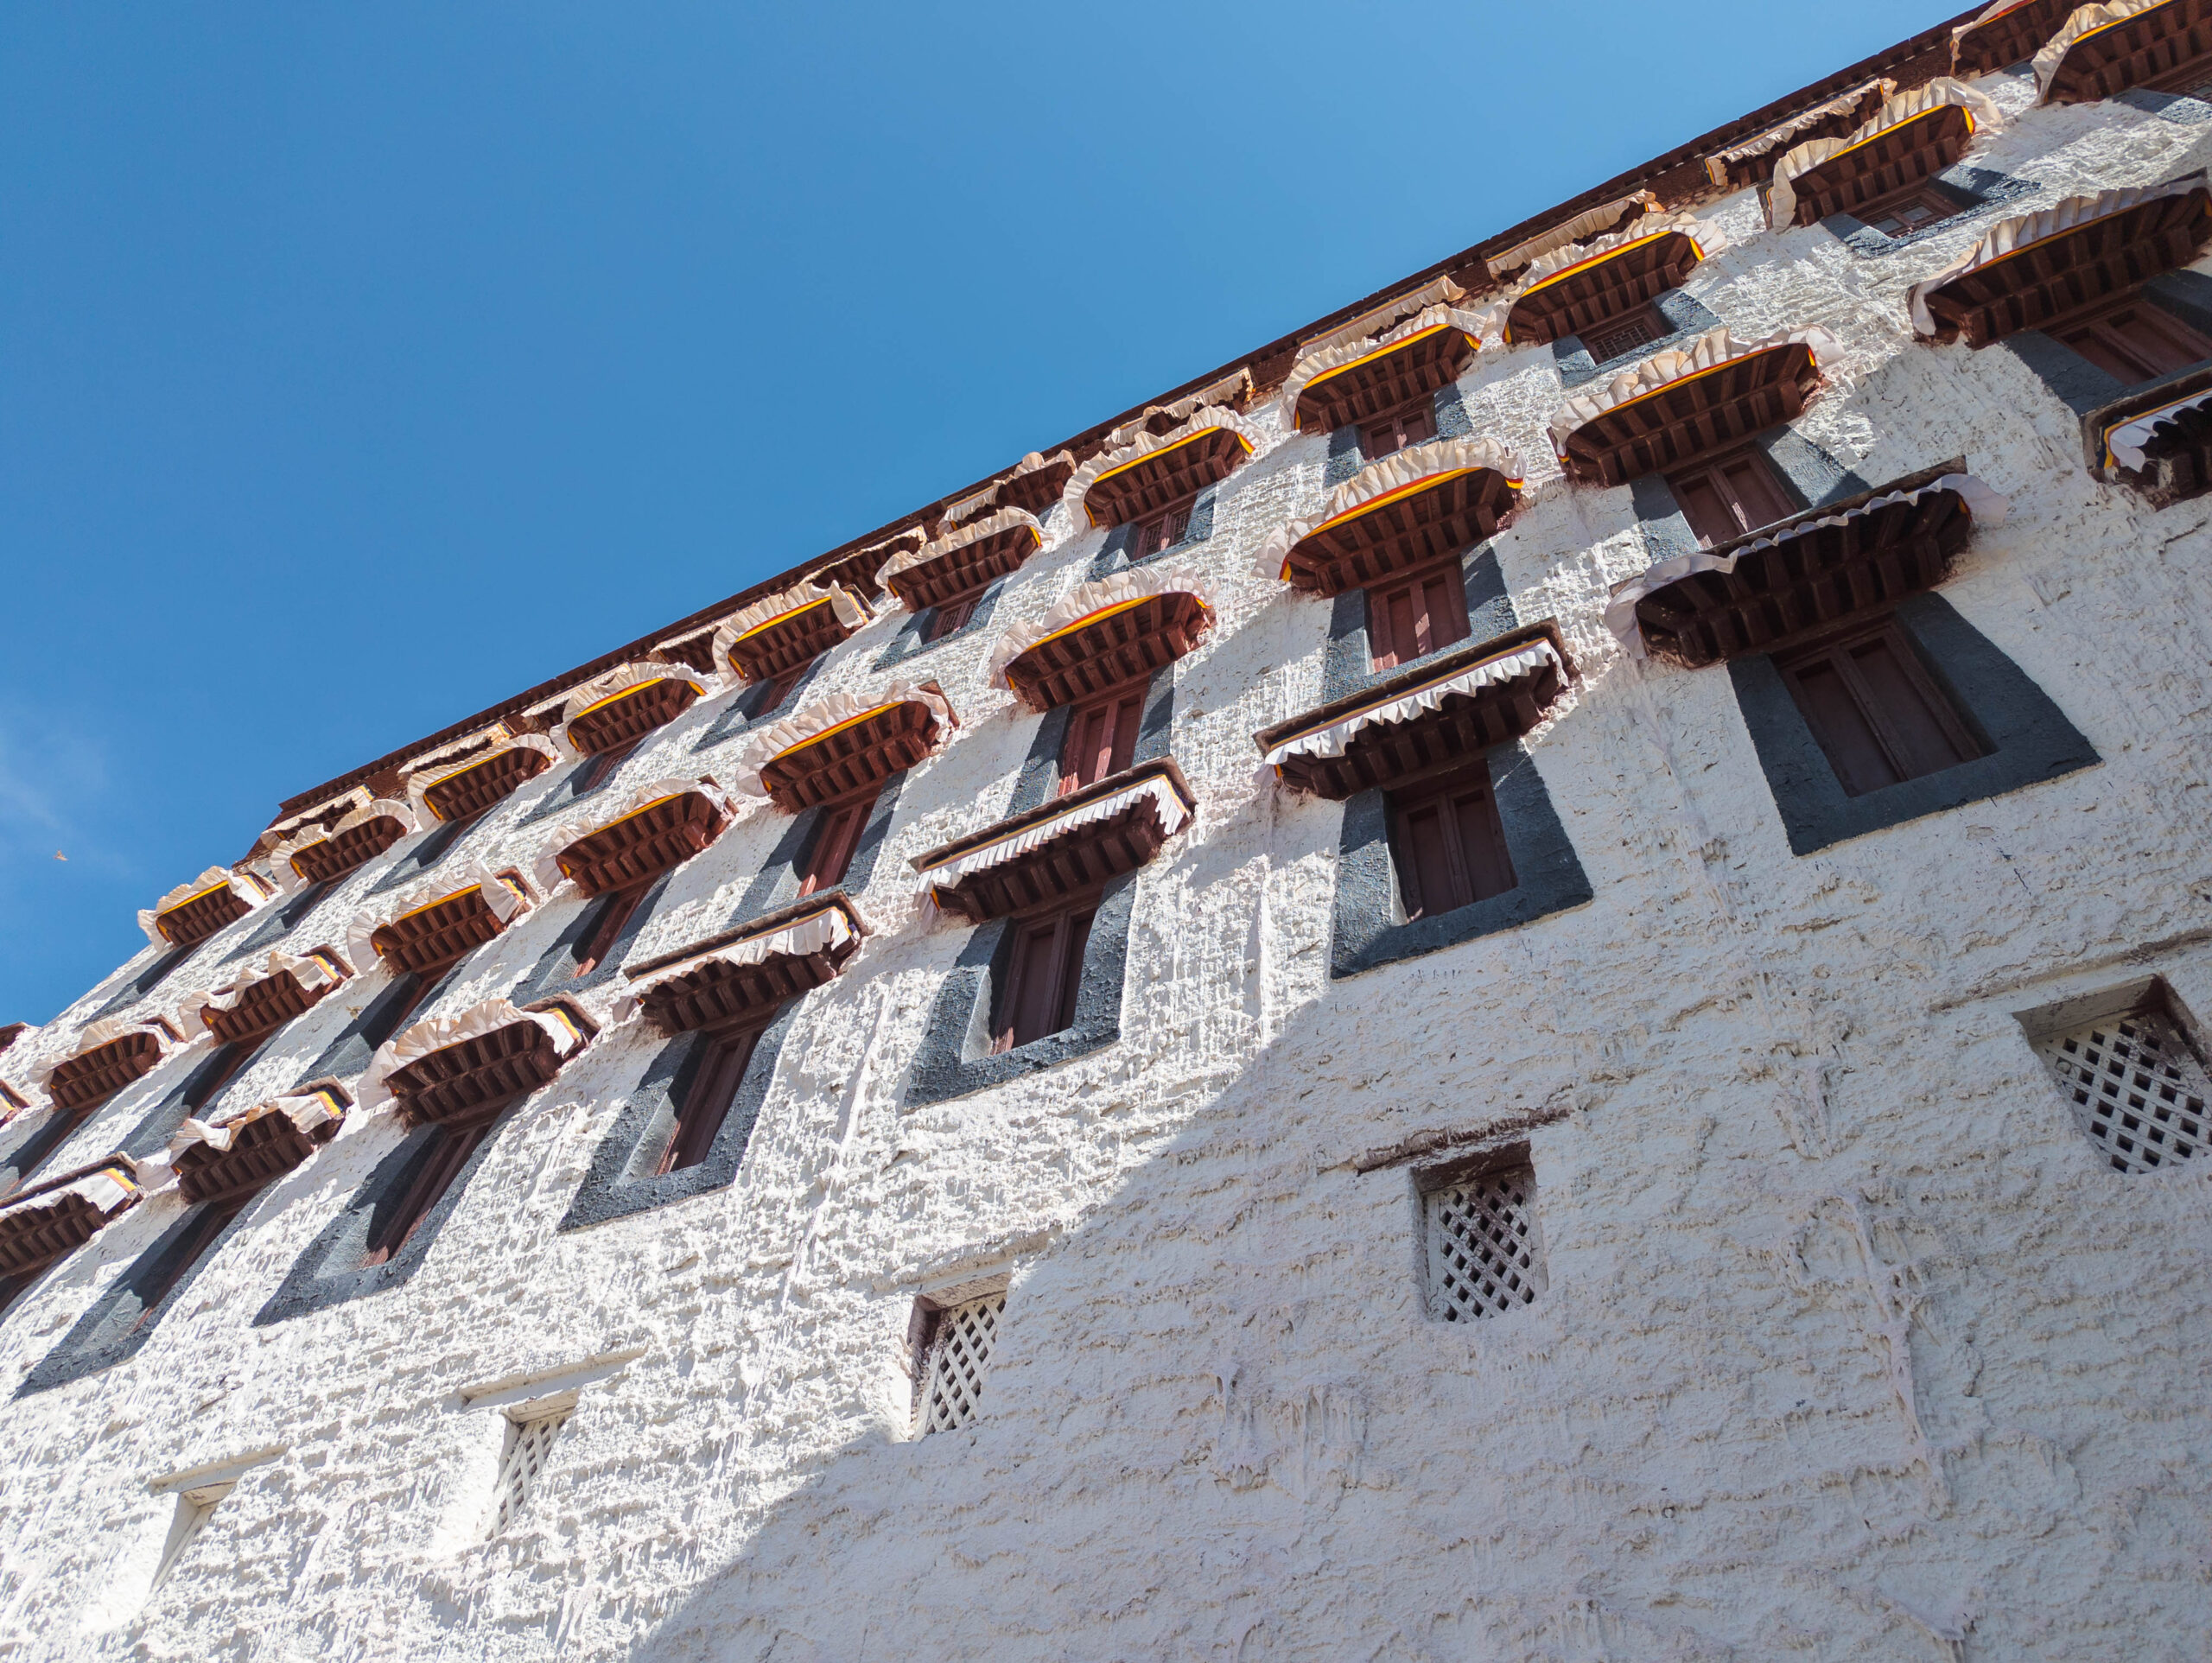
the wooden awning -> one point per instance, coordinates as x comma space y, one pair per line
625, 704
109, 1054
663, 825
1912, 137
432, 923
464, 790
743, 973
192, 912
1423, 503
269, 995
40, 1224
963, 561
240, 1155
1451, 709
1357, 382
2034, 268
1071, 844
1101, 635
321, 855
459, 1067
1677, 406
787, 631
1585, 225
1037, 482
2158, 440
844, 743
1751, 160
1822, 567
1157, 470
2008, 33
1574, 288
861, 571
2099, 50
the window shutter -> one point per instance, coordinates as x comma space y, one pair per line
1421, 614
1101, 738
1450, 847
1043, 975
838, 835
707, 1102
1730, 495
2136, 342
1875, 711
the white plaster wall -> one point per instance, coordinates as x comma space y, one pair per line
1853, 1347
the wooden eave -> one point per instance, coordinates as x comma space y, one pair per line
1583, 297
468, 793
642, 844
2140, 51
1164, 477
719, 993
1889, 161
1817, 573
2176, 457
86, 1080
264, 1148
11, 1032
2013, 38
193, 921
1070, 862
2055, 275
263, 1006
1758, 170
1037, 490
961, 571
855, 571
1694, 416
1465, 726
1428, 520
697, 651
798, 637
625, 717
433, 936
1113, 645
333, 857
31, 1238
851, 758
1387, 377
475, 1076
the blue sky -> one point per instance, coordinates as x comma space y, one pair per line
365, 365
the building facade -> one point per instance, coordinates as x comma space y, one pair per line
1523, 978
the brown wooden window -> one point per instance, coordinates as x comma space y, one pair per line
1730, 495
707, 1100
835, 840
1102, 738
599, 768
450, 1147
1416, 614
1044, 972
1163, 529
615, 909
1907, 210
950, 617
2134, 341
1409, 424
1607, 341
189, 1249
1448, 844
1876, 711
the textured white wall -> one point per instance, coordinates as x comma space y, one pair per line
1853, 1347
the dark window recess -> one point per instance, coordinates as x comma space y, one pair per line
450, 1147
1415, 615
1042, 972
186, 1252
1448, 845
599, 767
1161, 530
12, 1288
834, 839
2134, 341
1607, 341
1101, 738
615, 910
1409, 424
950, 617
1731, 495
1876, 712
215, 1074
1907, 210
707, 1104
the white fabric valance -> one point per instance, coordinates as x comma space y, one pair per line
1237, 382
1940, 93
797, 598
1150, 444
545, 869
1987, 506
308, 1111
309, 823
2078, 27
1555, 267
249, 887
280, 858
108, 1191
507, 897
1396, 474
1335, 739
436, 1033
1174, 813
833, 710
1588, 222
1324, 363
317, 973
1088, 600
623, 679
1005, 520
419, 783
2124, 440
1778, 135
824, 932
1377, 319
1708, 351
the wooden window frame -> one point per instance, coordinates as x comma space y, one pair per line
837, 838
709, 1096
1123, 707
1718, 472
1647, 319
948, 618
1392, 424
1471, 874
195, 1244
1923, 193
452, 1145
1385, 651
1881, 722
1072, 918
2101, 312
1152, 536
616, 908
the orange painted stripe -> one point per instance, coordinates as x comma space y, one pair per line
1595, 260
179, 906
771, 624
562, 861
1428, 481
1086, 620
1684, 381
1153, 456
429, 905
849, 721
1366, 358
2117, 22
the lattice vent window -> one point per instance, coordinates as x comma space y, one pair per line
2139, 1091
960, 1352
530, 1445
1485, 1254
193, 1509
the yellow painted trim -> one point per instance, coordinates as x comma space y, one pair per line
1597, 260
2059, 235
1895, 127
1154, 456
428, 906
770, 625
1412, 488
2117, 22
179, 906
560, 860
1086, 620
1381, 351
1710, 369
849, 721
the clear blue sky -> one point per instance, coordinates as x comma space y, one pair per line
367, 364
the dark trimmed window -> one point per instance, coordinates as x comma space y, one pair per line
599, 766
950, 617
615, 909
1102, 738
1044, 970
1730, 495
447, 1151
835, 837
1448, 844
1416, 614
1409, 424
1904, 212
184, 1251
2129, 339
1878, 714
706, 1105
1607, 341
1162, 529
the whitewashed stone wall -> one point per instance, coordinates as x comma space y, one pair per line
1853, 1347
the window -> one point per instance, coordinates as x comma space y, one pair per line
835, 840
769, 696
2138, 1089
1607, 341
950, 617
1448, 845
959, 1351
522, 1463
1485, 1255
1876, 712
1416, 615
1409, 424
2132, 340
1907, 210
1730, 495
161, 1279
1102, 738
707, 1102
616, 909
447, 1150
193, 1509
1042, 972
599, 767
1162, 531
